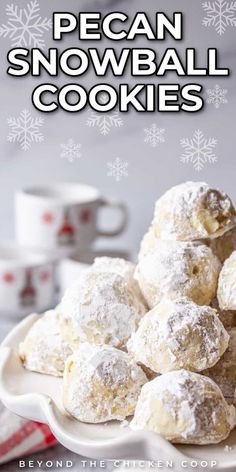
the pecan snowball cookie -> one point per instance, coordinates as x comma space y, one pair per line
44, 350
101, 308
148, 244
178, 269
184, 407
179, 334
121, 267
116, 265
101, 383
223, 246
224, 372
193, 210
226, 292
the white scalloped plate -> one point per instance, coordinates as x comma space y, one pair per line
38, 397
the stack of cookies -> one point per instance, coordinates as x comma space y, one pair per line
157, 340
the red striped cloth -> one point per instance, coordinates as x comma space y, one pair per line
20, 437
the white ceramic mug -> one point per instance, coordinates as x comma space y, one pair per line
62, 215
27, 281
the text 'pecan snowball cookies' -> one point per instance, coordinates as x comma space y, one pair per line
102, 309
179, 334
224, 372
44, 349
184, 407
193, 210
178, 269
101, 383
226, 292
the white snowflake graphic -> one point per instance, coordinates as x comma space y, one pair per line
25, 26
220, 14
154, 135
117, 169
25, 130
198, 150
217, 96
104, 121
71, 151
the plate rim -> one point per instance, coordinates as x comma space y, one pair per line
142, 440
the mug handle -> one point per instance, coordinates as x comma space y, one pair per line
124, 217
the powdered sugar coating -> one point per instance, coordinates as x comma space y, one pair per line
178, 269
193, 210
148, 244
116, 265
184, 407
224, 372
121, 267
179, 334
226, 292
101, 308
101, 383
44, 349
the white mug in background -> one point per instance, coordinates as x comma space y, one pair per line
62, 215
27, 281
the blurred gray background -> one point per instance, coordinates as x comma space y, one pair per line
151, 170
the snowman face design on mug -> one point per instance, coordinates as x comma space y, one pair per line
67, 229
26, 281
62, 215
66, 233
